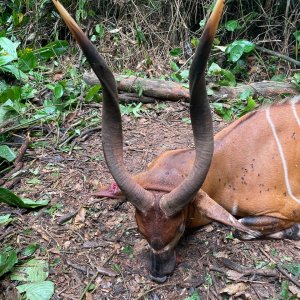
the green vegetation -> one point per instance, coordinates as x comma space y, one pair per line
42, 91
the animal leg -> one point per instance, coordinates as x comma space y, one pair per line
264, 224
291, 233
209, 208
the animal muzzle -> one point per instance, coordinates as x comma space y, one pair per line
161, 264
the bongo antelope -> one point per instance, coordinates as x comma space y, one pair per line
249, 170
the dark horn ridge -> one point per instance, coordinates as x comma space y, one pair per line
112, 136
201, 119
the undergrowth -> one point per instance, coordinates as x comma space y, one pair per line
40, 67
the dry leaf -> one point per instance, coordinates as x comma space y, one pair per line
232, 289
88, 296
208, 228
58, 76
140, 246
295, 291
107, 272
67, 244
222, 254
234, 275
80, 217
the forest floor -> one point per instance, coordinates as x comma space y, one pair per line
102, 237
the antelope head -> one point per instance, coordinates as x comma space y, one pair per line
160, 216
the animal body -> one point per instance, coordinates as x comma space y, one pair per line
249, 170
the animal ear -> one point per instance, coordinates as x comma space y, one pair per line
211, 209
111, 191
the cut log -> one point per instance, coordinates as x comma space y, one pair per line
155, 89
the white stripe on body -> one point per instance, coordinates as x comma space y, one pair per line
234, 209
294, 101
284, 164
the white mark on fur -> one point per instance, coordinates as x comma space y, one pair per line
232, 220
294, 102
234, 209
284, 164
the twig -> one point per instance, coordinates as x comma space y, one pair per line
67, 217
95, 275
280, 269
153, 289
131, 97
18, 165
86, 133
7, 233
247, 271
88, 286
282, 56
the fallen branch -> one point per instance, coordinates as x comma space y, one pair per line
280, 269
100, 271
158, 90
7, 181
153, 289
132, 97
247, 271
154, 88
277, 54
63, 219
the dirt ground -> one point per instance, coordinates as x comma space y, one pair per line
103, 237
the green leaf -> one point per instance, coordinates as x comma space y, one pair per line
93, 92
7, 260
227, 78
7, 153
176, 52
202, 23
184, 74
174, 66
100, 30
278, 77
20, 75
27, 62
30, 249
251, 104
9, 48
231, 25
296, 34
37, 291
186, 120
214, 69
5, 59
296, 81
28, 203
284, 291
58, 91
4, 220
238, 48
139, 35
12, 93
236, 53
117, 268
51, 50
293, 268
246, 94
128, 250
194, 296
34, 270
224, 112
11, 199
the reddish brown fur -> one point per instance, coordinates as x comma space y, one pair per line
246, 169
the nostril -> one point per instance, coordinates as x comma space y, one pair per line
158, 279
